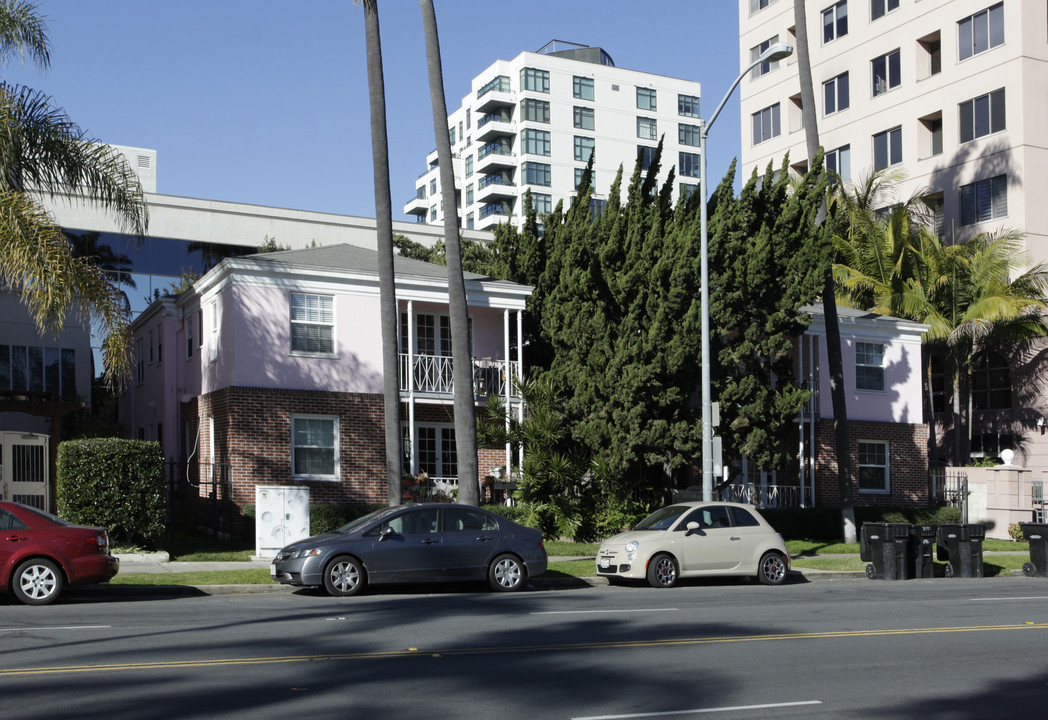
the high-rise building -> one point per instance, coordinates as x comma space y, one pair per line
532, 123
953, 93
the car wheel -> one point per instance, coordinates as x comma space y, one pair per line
506, 574
662, 571
344, 576
772, 569
37, 582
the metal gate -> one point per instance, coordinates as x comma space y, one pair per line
23, 469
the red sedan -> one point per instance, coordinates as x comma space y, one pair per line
40, 554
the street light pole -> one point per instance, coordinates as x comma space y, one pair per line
775, 52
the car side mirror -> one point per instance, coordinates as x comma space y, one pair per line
693, 527
386, 532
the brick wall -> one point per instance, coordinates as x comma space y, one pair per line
908, 463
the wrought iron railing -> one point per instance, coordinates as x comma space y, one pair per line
435, 374
950, 487
768, 496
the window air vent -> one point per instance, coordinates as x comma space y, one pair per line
143, 162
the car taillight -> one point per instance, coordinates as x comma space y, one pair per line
102, 541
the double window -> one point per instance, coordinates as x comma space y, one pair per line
880, 8
689, 164
688, 134
688, 106
583, 118
645, 156
532, 110
886, 72
869, 366
535, 142
469, 165
835, 21
758, 5
839, 161
873, 466
534, 80
542, 203
582, 87
980, 32
314, 447
984, 200
536, 173
766, 124
646, 99
313, 323
887, 148
835, 94
991, 382
647, 128
583, 148
983, 115
755, 52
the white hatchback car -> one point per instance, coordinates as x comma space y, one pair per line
696, 539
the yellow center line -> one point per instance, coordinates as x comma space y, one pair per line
372, 655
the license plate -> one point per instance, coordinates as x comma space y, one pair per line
605, 563
273, 570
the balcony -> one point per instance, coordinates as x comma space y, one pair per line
494, 125
495, 160
494, 187
416, 206
432, 376
495, 94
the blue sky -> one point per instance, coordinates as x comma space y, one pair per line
265, 101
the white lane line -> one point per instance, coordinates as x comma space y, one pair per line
598, 612
46, 629
702, 711
999, 599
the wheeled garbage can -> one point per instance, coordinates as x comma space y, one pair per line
885, 546
961, 547
1037, 535
922, 562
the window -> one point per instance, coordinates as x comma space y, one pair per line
991, 382
839, 161
579, 174
151, 346
886, 73
312, 323
534, 80
437, 451
835, 94
689, 164
990, 444
314, 447
467, 119
688, 134
879, 8
687, 190
433, 187
470, 222
189, 336
930, 141
873, 466
582, 88
584, 118
535, 142
532, 110
766, 124
583, 148
647, 128
765, 67
929, 55
936, 204
980, 32
536, 173
469, 194
688, 106
466, 520
433, 213
887, 148
451, 132
469, 165
983, 115
835, 21
984, 200
542, 203
140, 364
159, 344
646, 156
869, 366
758, 5
646, 99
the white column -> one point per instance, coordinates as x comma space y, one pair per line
508, 373
411, 387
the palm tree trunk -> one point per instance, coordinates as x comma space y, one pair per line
465, 408
834, 358
384, 231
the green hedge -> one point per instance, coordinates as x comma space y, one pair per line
113, 483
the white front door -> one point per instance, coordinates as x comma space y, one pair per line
23, 469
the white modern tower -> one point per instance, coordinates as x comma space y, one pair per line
533, 121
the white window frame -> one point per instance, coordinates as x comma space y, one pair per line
842, 161
889, 85
886, 488
968, 116
834, 15
995, 200
307, 320
864, 354
333, 477
833, 87
887, 135
992, 13
765, 67
880, 8
647, 128
774, 123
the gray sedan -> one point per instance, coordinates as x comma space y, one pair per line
415, 543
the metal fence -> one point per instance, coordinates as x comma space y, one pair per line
950, 487
768, 496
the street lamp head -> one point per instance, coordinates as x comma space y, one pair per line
775, 52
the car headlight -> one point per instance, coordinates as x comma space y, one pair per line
632, 545
308, 552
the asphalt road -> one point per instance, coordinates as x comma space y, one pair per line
921, 649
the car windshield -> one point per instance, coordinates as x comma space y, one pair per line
661, 519
360, 522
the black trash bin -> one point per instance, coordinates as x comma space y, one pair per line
921, 561
885, 547
961, 547
1037, 535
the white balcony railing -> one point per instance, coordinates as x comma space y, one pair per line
768, 496
434, 375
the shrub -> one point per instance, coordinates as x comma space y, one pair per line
511, 512
325, 518
1015, 532
914, 515
113, 483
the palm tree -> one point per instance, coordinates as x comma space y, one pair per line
834, 357
384, 232
43, 152
465, 409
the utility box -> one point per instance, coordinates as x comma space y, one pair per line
281, 517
